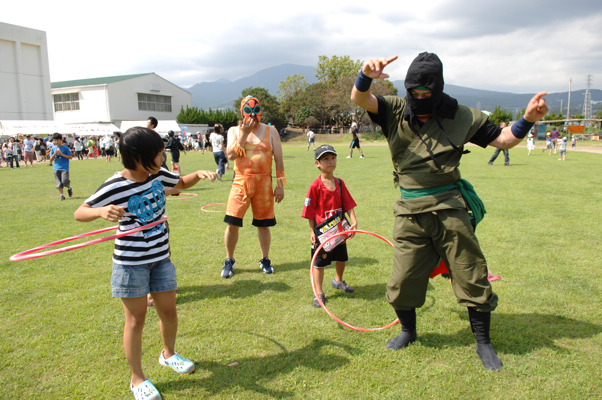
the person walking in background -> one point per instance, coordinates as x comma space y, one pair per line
574, 143
61, 155
217, 145
311, 139
356, 141
78, 147
207, 145
497, 151
175, 146
14, 147
554, 135
108, 143
530, 144
562, 148
28, 145
548, 144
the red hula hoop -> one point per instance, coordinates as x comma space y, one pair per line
190, 196
313, 260
216, 204
25, 255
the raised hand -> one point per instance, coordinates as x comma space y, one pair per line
374, 68
537, 107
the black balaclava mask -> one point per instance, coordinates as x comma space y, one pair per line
426, 72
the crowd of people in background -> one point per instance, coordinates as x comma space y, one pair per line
17, 152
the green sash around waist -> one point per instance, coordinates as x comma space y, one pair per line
475, 204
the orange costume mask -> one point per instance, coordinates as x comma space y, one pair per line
250, 107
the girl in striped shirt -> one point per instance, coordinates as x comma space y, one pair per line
141, 262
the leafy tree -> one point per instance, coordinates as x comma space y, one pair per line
332, 69
578, 116
599, 115
552, 117
193, 115
311, 122
302, 115
288, 94
498, 116
270, 107
520, 114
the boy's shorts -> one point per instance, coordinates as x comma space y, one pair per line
355, 144
324, 259
563, 152
62, 178
140, 280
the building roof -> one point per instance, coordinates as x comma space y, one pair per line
94, 81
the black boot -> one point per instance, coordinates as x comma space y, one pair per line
407, 318
479, 323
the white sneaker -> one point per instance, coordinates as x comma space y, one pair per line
178, 363
145, 391
362, 157
348, 157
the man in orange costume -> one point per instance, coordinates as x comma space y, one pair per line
251, 146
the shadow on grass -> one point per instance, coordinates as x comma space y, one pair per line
255, 373
305, 264
238, 290
519, 333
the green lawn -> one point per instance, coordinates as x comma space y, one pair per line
61, 330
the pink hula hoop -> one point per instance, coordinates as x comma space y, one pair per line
26, 255
313, 260
190, 196
216, 204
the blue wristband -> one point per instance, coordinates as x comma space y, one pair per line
362, 83
521, 128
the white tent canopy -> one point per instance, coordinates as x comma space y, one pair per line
21, 128
162, 129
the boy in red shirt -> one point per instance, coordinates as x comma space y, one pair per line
324, 200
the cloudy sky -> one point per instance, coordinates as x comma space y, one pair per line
519, 46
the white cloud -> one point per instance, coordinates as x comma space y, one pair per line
512, 45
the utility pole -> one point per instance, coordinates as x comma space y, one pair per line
568, 108
560, 106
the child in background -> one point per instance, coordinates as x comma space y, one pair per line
530, 144
574, 143
548, 144
141, 261
61, 155
562, 147
324, 200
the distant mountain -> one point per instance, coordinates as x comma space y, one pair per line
223, 92
487, 100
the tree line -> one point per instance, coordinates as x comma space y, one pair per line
325, 103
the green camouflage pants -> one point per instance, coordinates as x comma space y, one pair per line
420, 239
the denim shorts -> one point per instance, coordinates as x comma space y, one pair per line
140, 280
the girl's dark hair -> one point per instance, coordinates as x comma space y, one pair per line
218, 128
140, 145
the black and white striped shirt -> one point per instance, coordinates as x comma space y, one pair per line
144, 202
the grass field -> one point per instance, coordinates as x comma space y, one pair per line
61, 330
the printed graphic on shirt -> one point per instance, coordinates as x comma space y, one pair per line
145, 210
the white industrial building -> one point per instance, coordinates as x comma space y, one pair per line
117, 98
24, 74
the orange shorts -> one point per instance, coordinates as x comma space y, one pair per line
253, 190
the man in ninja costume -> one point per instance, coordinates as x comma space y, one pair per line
437, 213
251, 146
